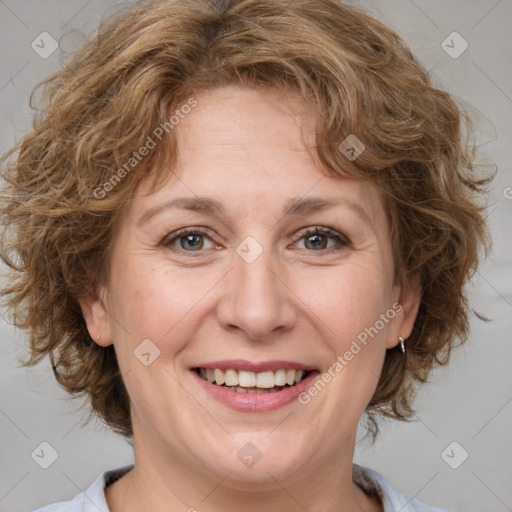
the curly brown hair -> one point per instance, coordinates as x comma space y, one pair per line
146, 61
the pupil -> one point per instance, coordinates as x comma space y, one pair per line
193, 244
317, 237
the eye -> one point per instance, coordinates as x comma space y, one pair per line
189, 239
316, 239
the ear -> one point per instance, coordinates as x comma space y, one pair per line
409, 297
96, 316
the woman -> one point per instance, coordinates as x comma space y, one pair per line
237, 229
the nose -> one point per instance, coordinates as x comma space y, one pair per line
257, 301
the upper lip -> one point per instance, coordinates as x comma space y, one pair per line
251, 366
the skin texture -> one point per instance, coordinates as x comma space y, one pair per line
252, 151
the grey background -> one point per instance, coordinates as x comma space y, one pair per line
469, 402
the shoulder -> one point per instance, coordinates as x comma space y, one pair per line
92, 499
374, 483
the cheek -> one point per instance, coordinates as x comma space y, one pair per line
157, 303
350, 310
351, 300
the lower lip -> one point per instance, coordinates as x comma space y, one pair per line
255, 402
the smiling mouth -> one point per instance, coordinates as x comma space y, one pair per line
252, 382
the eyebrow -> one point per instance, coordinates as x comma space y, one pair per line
297, 206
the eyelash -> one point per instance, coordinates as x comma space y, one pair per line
307, 232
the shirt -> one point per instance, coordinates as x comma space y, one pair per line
371, 482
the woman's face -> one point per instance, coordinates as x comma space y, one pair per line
250, 287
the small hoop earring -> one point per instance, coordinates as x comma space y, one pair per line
401, 340
99, 336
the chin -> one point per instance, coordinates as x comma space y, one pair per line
259, 459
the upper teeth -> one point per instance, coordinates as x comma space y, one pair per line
251, 379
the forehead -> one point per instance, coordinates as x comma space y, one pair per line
254, 150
